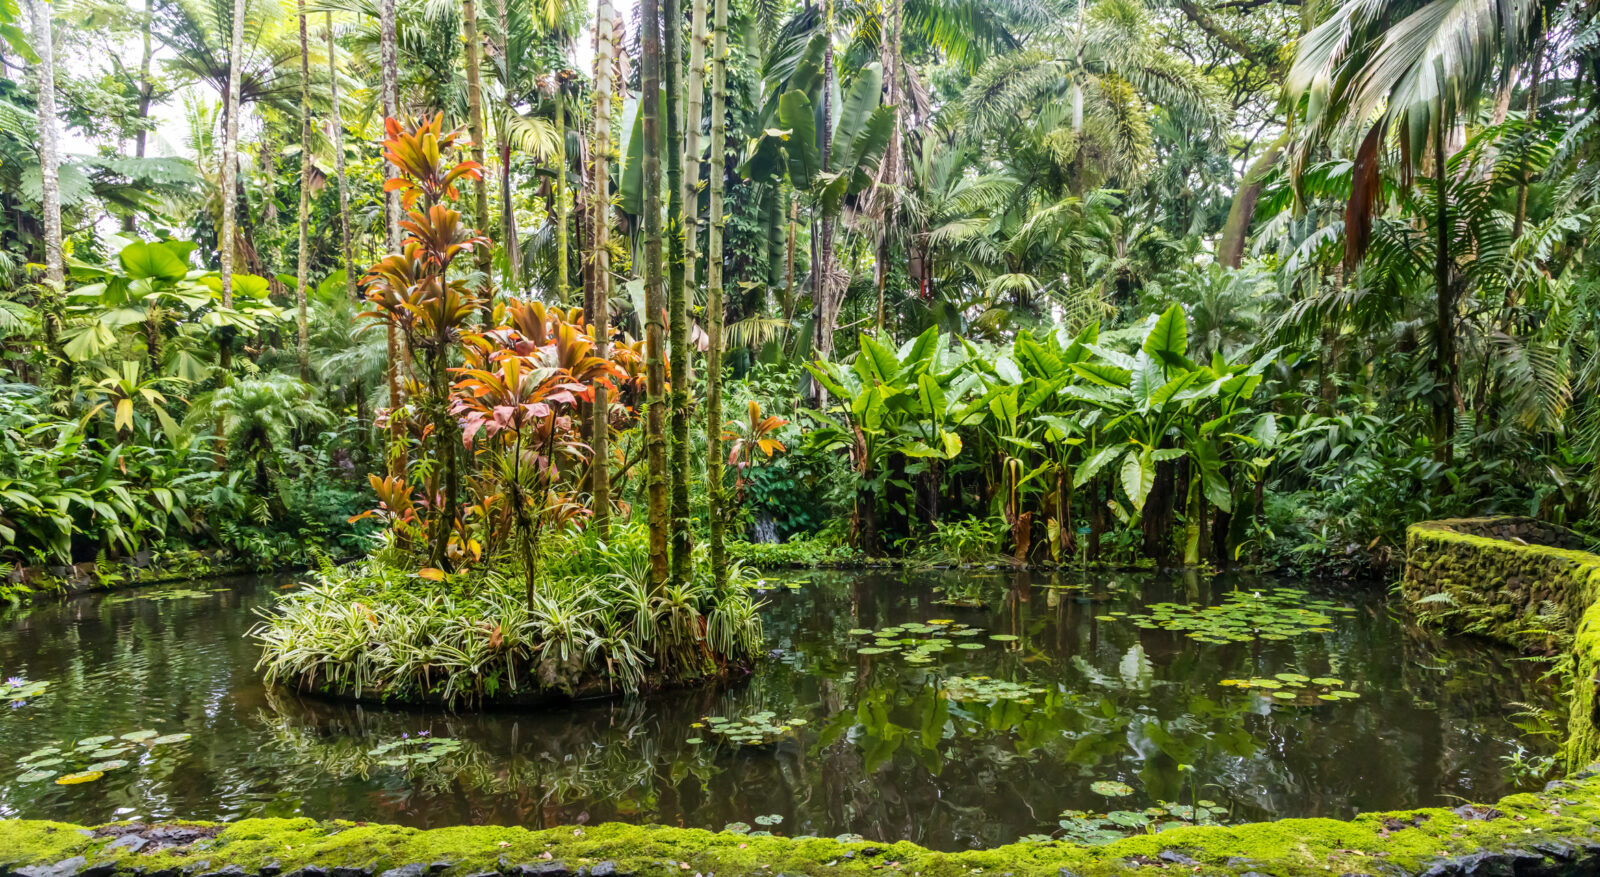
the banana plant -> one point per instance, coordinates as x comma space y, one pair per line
1163, 406
890, 402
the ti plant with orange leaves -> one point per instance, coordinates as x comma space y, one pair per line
756, 434
415, 292
520, 393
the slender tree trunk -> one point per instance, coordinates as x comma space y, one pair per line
717, 171
1444, 354
389, 61
475, 130
694, 109
889, 177
823, 292
303, 338
337, 124
678, 318
146, 92
654, 305
1230, 248
563, 292
600, 314
49, 151
508, 215
230, 159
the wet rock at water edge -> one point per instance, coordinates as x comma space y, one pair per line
63, 868
130, 842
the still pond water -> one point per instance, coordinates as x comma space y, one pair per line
903, 734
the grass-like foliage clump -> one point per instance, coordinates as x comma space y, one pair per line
594, 624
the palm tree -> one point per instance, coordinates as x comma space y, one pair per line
600, 242
694, 106
717, 168
304, 217
655, 308
475, 130
677, 301
256, 416
230, 160
1382, 72
1084, 89
336, 125
49, 156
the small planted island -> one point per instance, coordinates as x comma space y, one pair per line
482, 590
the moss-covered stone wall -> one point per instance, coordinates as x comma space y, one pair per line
1523, 582
1554, 833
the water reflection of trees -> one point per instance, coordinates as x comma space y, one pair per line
886, 753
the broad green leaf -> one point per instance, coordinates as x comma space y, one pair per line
1103, 374
1091, 467
1169, 336
1138, 476
796, 113
155, 261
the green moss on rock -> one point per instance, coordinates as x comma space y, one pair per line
1522, 582
1556, 831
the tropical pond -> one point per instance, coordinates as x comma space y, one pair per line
953, 709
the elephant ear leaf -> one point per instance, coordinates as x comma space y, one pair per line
796, 113
1168, 340
1138, 476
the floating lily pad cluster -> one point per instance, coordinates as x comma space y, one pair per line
1102, 828
90, 758
918, 642
1287, 688
971, 688
418, 750
19, 690
167, 594
1276, 614
753, 730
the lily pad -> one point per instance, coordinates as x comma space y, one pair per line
1111, 788
170, 739
34, 776
83, 776
103, 766
138, 736
1003, 637
95, 741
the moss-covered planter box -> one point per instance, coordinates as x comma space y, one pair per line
1551, 834
1523, 582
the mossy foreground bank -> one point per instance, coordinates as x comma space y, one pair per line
1550, 834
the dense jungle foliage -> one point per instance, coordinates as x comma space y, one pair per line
465, 288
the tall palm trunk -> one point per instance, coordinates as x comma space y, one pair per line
822, 289
679, 316
715, 168
1444, 354
480, 187
600, 240
654, 306
508, 216
694, 106
303, 348
230, 155
889, 174
337, 124
389, 61
49, 154
563, 293
146, 91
